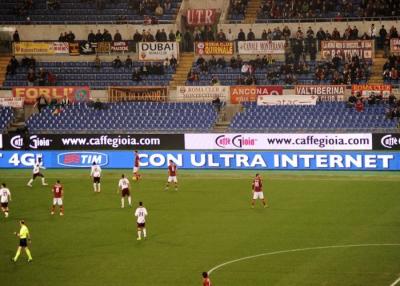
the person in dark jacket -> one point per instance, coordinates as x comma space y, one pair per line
91, 37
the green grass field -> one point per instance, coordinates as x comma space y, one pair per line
206, 223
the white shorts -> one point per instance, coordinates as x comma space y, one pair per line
258, 195
57, 201
135, 169
172, 179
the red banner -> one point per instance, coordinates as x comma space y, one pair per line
244, 93
395, 45
201, 17
119, 46
32, 93
366, 89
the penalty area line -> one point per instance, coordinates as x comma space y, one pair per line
219, 266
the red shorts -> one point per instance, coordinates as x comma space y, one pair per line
141, 225
4, 205
38, 175
125, 193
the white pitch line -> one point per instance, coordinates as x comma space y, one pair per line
303, 249
395, 282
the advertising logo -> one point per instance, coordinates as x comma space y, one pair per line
81, 159
389, 141
35, 142
238, 141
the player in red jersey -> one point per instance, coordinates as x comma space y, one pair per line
172, 175
58, 195
136, 167
206, 279
258, 191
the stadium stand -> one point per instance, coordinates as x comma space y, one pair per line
328, 116
6, 117
88, 74
80, 11
391, 70
124, 117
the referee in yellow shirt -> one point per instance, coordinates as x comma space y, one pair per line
24, 237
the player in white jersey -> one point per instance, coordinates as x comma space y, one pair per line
123, 186
36, 173
95, 173
141, 214
5, 198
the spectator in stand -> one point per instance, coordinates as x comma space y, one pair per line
117, 63
359, 106
200, 60
70, 37
221, 63
171, 36
163, 36
42, 77
335, 34
99, 36
393, 32
51, 79
382, 36
128, 62
215, 81
188, 41
221, 37
216, 102
61, 38
251, 36
351, 101
117, 37
159, 11
136, 75
229, 36
16, 36
166, 63
41, 103
192, 76
107, 36
173, 62
209, 35
91, 37
241, 36
31, 77
386, 46
97, 62
372, 32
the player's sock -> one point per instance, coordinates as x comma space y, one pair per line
44, 182
6, 214
166, 186
17, 254
98, 187
139, 234
30, 182
144, 233
61, 210
94, 187
122, 203
53, 209
28, 252
130, 201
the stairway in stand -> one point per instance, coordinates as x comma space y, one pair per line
3, 67
251, 11
377, 68
184, 66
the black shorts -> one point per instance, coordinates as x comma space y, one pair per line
141, 225
4, 205
96, 180
125, 193
38, 175
23, 242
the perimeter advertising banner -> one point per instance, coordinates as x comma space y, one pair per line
203, 93
93, 142
32, 93
395, 45
386, 141
248, 93
34, 48
261, 47
157, 51
287, 99
366, 89
324, 92
214, 48
15, 102
233, 160
364, 49
278, 141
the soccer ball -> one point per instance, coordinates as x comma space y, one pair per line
134, 178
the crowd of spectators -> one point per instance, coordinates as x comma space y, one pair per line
391, 68
23, 7
337, 9
158, 8
67, 37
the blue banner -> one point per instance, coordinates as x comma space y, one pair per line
234, 160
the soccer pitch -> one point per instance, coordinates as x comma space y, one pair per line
322, 228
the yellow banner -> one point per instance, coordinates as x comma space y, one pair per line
34, 48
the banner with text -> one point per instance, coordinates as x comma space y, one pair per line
31, 94
386, 141
61, 47
232, 160
203, 93
324, 92
119, 46
364, 49
214, 48
366, 89
157, 51
249, 93
138, 93
287, 100
395, 45
261, 47
14, 102
278, 141
34, 48
201, 17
